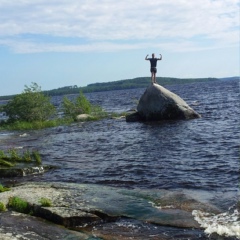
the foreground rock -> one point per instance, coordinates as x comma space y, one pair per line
81, 206
18, 226
158, 103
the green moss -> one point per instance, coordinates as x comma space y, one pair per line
3, 189
2, 207
45, 202
18, 205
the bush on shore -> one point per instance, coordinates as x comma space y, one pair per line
81, 106
33, 110
31, 105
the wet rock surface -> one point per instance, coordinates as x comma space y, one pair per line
88, 207
18, 226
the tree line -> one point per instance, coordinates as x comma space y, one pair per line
140, 82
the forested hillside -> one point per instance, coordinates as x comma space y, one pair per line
141, 82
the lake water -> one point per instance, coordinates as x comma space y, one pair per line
199, 157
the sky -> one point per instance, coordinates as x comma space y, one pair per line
58, 43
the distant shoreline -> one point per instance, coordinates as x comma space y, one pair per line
140, 82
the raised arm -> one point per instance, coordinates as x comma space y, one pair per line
146, 58
160, 57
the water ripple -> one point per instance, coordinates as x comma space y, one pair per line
197, 154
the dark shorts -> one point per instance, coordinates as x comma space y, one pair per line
154, 70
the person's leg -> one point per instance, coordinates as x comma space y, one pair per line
152, 77
155, 73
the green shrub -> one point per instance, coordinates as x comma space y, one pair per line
31, 105
2, 207
80, 106
18, 205
45, 202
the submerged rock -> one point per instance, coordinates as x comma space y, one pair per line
158, 103
133, 117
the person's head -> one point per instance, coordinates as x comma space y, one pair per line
153, 55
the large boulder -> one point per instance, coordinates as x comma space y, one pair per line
158, 103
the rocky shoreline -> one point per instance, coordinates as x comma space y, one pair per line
87, 208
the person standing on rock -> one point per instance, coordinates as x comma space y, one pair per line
153, 69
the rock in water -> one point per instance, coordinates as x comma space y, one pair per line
158, 103
83, 117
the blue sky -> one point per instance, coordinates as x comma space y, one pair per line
58, 43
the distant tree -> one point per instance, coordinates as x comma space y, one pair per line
31, 105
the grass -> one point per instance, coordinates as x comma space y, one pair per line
27, 156
6, 163
13, 156
18, 205
36, 156
35, 125
95, 115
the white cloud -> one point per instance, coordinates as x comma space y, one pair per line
110, 25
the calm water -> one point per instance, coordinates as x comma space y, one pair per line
200, 156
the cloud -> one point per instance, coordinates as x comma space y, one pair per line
111, 25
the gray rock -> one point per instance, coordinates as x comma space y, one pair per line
80, 204
68, 217
158, 103
83, 117
17, 226
133, 117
